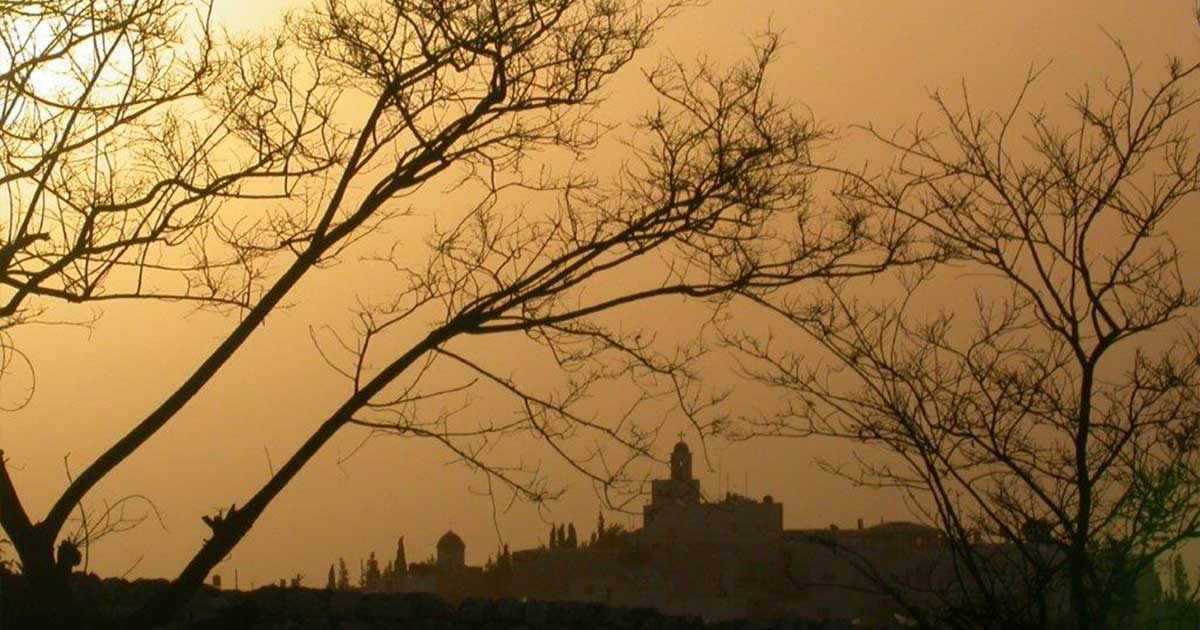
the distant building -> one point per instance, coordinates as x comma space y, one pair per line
676, 515
726, 559
451, 552
677, 491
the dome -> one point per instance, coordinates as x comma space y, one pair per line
450, 539
681, 447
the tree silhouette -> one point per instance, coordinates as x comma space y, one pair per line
401, 563
1062, 397
371, 574
343, 576
1181, 607
113, 192
1181, 588
462, 93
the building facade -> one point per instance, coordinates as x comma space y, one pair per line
724, 559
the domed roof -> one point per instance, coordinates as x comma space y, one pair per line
450, 539
681, 447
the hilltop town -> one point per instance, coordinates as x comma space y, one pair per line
719, 560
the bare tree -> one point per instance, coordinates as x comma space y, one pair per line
467, 91
1048, 425
111, 183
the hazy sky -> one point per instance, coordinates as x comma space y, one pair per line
848, 61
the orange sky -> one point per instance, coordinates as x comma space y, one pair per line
849, 61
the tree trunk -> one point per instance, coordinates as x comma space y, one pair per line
40, 596
229, 531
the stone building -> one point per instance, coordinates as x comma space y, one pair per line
724, 559
677, 514
451, 552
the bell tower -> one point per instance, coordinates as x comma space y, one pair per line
678, 491
681, 462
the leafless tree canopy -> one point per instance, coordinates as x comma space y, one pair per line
117, 151
123, 184
1046, 417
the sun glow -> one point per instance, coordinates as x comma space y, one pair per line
52, 59
52, 85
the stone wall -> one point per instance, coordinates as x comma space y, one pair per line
302, 609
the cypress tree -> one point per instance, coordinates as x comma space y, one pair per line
401, 559
343, 578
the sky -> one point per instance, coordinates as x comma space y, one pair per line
847, 61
